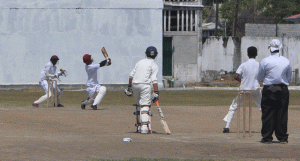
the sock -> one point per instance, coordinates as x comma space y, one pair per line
228, 125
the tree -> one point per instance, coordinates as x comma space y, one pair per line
279, 9
266, 11
211, 2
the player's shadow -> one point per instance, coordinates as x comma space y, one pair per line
97, 109
247, 132
153, 132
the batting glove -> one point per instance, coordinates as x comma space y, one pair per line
155, 96
128, 91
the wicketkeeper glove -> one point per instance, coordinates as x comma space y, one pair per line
155, 96
128, 91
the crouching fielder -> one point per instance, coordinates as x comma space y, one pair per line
92, 83
49, 73
140, 79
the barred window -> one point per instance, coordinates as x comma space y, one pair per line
180, 20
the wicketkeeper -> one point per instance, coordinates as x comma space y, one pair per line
92, 83
49, 73
141, 77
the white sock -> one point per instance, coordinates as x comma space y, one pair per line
228, 125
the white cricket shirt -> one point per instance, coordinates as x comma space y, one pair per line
145, 71
275, 69
91, 71
49, 68
249, 71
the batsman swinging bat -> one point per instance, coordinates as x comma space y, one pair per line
162, 121
104, 53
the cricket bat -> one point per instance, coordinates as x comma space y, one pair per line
104, 53
162, 121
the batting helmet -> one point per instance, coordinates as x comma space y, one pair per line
151, 52
87, 58
54, 57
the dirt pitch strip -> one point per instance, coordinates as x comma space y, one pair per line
70, 133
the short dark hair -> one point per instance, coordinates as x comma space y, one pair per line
252, 52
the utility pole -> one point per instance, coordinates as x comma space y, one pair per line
235, 17
254, 10
217, 18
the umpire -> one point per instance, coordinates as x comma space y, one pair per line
275, 72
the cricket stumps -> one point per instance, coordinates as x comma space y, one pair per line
245, 96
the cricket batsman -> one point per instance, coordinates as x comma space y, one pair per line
92, 83
49, 73
141, 77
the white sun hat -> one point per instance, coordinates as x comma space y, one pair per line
275, 45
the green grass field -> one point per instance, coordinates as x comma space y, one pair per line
114, 98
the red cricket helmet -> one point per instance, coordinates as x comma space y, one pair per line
54, 57
87, 58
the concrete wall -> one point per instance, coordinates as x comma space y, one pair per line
218, 56
272, 30
185, 54
31, 31
221, 55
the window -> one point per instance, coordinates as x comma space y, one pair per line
180, 20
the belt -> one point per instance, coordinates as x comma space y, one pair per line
281, 85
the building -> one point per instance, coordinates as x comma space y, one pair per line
182, 40
294, 18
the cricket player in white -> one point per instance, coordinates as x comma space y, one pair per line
49, 72
141, 77
249, 82
92, 83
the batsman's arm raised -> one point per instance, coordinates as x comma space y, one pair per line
105, 62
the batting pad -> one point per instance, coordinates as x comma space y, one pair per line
145, 119
100, 95
42, 99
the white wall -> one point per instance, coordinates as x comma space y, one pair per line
31, 31
218, 55
290, 48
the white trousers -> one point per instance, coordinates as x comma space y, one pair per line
100, 90
142, 94
92, 90
256, 98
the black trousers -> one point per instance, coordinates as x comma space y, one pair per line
274, 106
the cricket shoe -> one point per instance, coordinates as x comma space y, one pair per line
265, 141
59, 105
94, 107
226, 130
35, 105
283, 141
82, 106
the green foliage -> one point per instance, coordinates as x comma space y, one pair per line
205, 13
279, 9
266, 9
211, 2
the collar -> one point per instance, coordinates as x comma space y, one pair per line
275, 54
